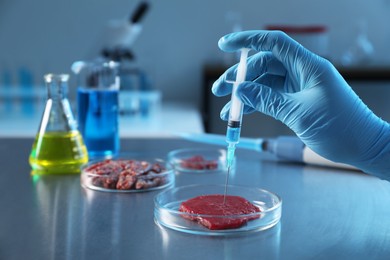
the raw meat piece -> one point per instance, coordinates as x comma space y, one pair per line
197, 162
214, 205
126, 174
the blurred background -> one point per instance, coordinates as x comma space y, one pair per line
177, 49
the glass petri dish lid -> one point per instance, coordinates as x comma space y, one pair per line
167, 211
127, 174
197, 160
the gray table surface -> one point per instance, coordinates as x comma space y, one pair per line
326, 214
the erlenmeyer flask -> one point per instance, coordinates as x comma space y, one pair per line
58, 147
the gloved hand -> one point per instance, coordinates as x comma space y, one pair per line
306, 93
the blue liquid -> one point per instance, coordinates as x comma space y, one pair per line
233, 134
232, 138
98, 121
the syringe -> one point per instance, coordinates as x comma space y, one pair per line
236, 109
235, 114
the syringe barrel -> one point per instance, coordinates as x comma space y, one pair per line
236, 106
233, 134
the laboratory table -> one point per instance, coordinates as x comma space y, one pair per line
326, 213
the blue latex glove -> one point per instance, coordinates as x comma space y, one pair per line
306, 93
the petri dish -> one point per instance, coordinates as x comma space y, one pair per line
198, 160
127, 174
167, 214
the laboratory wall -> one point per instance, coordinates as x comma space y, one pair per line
179, 37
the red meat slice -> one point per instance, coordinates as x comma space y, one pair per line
214, 205
197, 162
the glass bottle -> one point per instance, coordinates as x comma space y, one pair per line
58, 147
97, 106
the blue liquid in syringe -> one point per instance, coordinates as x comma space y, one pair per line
98, 120
233, 134
232, 138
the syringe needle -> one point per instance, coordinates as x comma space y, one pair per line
226, 184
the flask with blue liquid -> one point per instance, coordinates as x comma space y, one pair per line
97, 106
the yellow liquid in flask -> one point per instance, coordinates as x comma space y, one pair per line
58, 153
